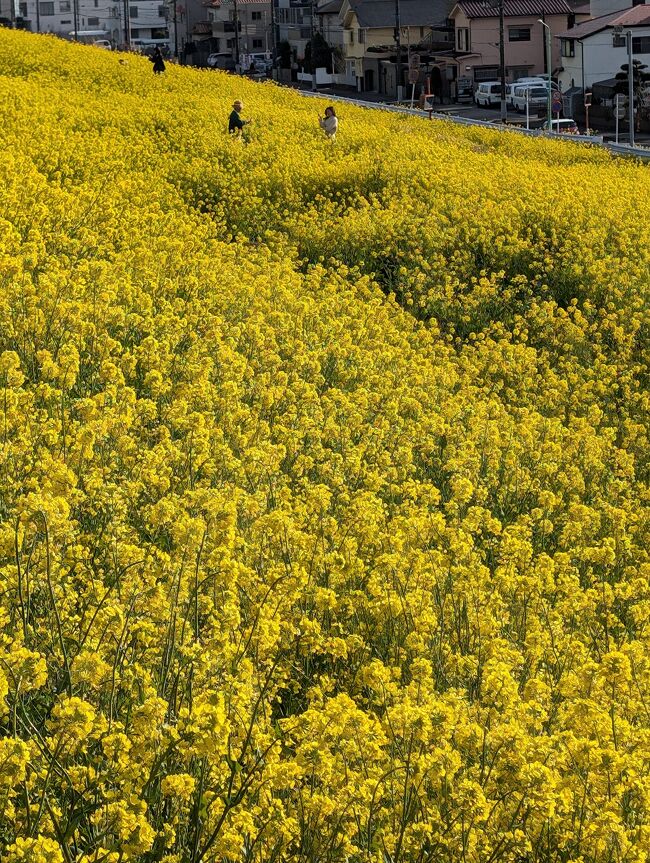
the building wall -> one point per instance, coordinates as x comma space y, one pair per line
520, 56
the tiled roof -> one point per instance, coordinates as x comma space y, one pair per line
635, 16
514, 8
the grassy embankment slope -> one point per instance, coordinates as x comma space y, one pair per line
322, 480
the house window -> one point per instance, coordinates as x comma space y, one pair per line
462, 39
361, 36
641, 44
351, 37
162, 11
256, 16
257, 43
64, 6
93, 22
46, 8
518, 34
568, 47
69, 21
22, 10
133, 12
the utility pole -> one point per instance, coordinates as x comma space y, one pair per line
175, 32
549, 64
502, 64
630, 85
312, 52
398, 45
127, 24
38, 15
75, 18
236, 16
274, 34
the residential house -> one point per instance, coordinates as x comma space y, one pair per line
294, 24
228, 27
63, 17
369, 34
101, 19
594, 51
330, 25
147, 21
477, 37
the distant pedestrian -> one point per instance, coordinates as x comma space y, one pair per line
329, 123
235, 122
157, 60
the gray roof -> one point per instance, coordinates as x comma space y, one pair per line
414, 13
331, 8
637, 16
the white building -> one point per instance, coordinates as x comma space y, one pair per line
89, 19
595, 50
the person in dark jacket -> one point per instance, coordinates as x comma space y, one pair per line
157, 60
235, 122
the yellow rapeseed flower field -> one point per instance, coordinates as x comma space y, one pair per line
323, 480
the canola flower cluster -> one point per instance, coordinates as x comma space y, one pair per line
323, 480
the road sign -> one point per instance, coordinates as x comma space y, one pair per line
414, 61
556, 102
414, 75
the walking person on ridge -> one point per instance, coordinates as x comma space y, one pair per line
157, 60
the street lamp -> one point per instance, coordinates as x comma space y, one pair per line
312, 12
398, 45
549, 63
630, 84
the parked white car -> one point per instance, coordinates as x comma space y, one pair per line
565, 126
488, 93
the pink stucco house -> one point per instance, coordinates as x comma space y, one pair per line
476, 26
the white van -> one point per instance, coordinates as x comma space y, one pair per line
536, 96
527, 82
488, 93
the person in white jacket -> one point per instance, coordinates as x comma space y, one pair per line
329, 123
